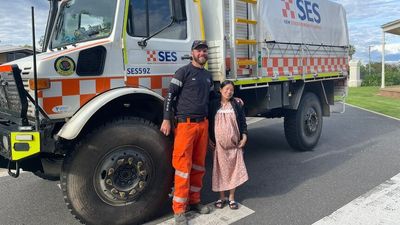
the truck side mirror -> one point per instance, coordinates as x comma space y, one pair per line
178, 10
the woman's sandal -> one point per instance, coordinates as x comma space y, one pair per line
233, 204
220, 203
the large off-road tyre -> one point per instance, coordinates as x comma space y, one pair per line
120, 173
51, 169
303, 126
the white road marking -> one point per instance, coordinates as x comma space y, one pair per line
380, 206
216, 217
373, 112
3, 173
250, 120
223, 216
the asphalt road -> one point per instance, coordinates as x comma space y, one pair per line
358, 150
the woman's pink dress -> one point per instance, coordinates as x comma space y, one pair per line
229, 170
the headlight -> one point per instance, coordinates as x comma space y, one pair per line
6, 143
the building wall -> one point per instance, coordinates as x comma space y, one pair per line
13, 55
3, 58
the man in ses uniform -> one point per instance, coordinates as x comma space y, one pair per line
189, 94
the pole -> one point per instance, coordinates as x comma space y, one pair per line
35, 70
369, 60
383, 60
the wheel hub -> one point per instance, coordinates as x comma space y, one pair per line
122, 176
311, 121
125, 176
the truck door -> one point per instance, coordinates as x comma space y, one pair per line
153, 65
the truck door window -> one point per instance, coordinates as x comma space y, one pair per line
148, 16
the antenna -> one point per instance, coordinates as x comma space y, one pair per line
35, 70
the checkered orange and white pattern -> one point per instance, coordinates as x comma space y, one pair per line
287, 10
151, 56
70, 94
285, 66
278, 66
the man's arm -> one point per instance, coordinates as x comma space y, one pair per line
175, 87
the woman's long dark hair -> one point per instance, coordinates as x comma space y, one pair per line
226, 82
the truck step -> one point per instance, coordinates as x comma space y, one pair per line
246, 62
249, 1
246, 21
246, 41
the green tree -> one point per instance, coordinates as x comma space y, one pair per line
392, 74
352, 50
41, 42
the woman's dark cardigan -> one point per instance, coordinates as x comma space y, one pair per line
215, 105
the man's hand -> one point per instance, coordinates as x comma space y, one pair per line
242, 142
166, 127
239, 100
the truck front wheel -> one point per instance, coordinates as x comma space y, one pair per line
303, 126
119, 174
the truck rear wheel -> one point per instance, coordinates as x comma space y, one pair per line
303, 126
119, 174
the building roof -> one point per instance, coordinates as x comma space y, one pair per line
392, 27
10, 48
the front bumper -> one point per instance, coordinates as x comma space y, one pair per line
17, 144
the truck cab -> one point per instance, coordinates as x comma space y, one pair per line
99, 76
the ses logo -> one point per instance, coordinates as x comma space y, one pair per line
307, 11
161, 56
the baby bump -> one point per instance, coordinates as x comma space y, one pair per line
226, 133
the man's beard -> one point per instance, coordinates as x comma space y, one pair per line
201, 60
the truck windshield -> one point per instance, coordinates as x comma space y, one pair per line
83, 20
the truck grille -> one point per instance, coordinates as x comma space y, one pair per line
31, 106
9, 95
13, 102
25, 74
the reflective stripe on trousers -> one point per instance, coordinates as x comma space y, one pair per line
188, 159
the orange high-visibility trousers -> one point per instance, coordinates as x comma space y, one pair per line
188, 159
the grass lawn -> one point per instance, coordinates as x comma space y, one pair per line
368, 98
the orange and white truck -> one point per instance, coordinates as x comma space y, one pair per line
89, 110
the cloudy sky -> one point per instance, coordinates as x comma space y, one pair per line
364, 17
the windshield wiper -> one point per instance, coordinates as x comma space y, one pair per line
58, 27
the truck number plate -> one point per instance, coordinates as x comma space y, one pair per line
138, 70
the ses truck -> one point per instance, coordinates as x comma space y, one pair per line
89, 110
